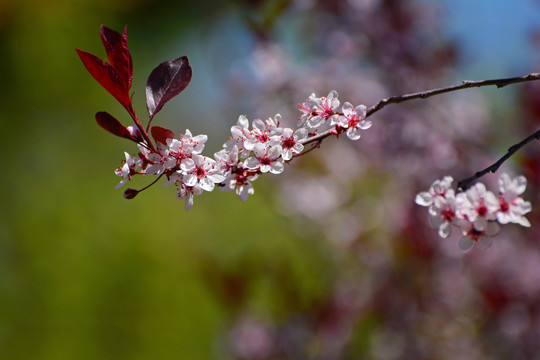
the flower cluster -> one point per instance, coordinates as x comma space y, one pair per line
263, 148
322, 113
477, 212
249, 152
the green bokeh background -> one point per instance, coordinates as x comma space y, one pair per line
86, 274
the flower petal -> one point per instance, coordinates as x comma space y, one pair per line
445, 230
424, 199
465, 243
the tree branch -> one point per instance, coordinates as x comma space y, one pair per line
425, 94
465, 183
464, 85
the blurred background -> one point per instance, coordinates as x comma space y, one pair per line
332, 259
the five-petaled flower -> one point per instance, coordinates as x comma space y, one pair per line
353, 120
266, 159
476, 211
202, 171
512, 207
290, 142
128, 169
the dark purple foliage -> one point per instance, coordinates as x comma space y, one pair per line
107, 76
161, 134
118, 53
166, 81
109, 123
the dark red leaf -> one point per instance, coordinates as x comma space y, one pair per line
109, 123
106, 76
118, 53
161, 134
166, 81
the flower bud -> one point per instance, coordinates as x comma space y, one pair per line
135, 133
130, 193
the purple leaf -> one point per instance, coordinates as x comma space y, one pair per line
109, 123
166, 81
107, 76
161, 134
118, 53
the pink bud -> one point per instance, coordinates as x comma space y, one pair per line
135, 133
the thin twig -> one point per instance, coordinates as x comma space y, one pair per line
313, 147
464, 85
465, 183
425, 94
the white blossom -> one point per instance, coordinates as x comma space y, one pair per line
316, 111
290, 142
472, 236
264, 132
240, 134
127, 169
478, 205
188, 192
477, 212
353, 120
266, 159
160, 161
512, 207
442, 214
202, 171
438, 188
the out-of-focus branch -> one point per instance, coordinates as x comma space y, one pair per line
465, 183
425, 94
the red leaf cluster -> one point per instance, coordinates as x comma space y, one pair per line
166, 81
116, 74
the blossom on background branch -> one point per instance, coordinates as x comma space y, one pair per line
264, 146
477, 212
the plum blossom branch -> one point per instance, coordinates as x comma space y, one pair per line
263, 146
466, 183
466, 84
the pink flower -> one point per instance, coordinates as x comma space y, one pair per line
239, 180
266, 159
188, 192
512, 207
202, 171
127, 169
186, 145
226, 160
160, 161
443, 213
478, 206
353, 120
291, 142
240, 134
438, 188
264, 132
316, 111
307, 109
472, 236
